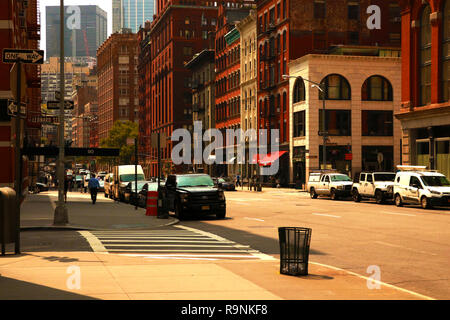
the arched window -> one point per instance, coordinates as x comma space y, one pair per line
299, 91
425, 57
336, 88
284, 40
377, 88
446, 51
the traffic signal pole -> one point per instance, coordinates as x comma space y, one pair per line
61, 214
18, 156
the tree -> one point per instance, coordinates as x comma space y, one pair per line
117, 138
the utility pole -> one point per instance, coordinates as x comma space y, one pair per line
18, 156
135, 170
61, 214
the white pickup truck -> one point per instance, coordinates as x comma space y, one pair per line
373, 185
334, 185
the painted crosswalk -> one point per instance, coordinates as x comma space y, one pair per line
180, 242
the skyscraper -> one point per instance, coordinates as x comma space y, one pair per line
131, 14
84, 31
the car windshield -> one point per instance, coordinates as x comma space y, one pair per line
435, 181
130, 177
340, 177
220, 180
140, 184
78, 178
384, 176
152, 187
195, 181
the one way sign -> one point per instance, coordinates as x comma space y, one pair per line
32, 56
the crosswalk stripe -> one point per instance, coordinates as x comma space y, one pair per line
181, 243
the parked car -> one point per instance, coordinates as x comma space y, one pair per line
130, 194
107, 185
373, 185
101, 182
123, 175
41, 187
224, 184
334, 185
142, 196
78, 181
416, 185
194, 194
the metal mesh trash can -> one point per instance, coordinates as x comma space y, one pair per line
294, 250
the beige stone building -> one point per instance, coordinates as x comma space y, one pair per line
248, 31
363, 92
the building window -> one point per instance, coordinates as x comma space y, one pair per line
353, 37
299, 124
204, 20
446, 52
425, 57
336, 88
319, 9
284, 9
204, 35
377, 88
187, 20
338, 122
284, 40
353, 11
377, 123
299, 91
278, 10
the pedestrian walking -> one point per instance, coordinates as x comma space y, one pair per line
66, 185
238, 180
93, 186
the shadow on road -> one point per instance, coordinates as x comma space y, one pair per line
255, 241
23, 290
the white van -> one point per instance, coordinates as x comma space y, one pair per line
416, 185
122, 175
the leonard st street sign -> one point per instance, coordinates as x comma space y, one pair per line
32, 56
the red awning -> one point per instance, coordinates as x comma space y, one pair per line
270, 158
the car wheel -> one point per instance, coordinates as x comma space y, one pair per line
425, 203
221, 214
356, 196
179, 212
333, 194
398, 200
379, 197
313, 194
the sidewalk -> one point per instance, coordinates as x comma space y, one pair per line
91, 275
37, 211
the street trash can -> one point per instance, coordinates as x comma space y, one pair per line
294, 250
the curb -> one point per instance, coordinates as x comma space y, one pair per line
80, 228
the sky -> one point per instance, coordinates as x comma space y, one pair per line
106, 5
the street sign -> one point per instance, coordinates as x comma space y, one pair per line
70, 152
32, 56
44, 119
13, 81
54, 105
12, 109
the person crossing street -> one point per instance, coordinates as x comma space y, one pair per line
93, 186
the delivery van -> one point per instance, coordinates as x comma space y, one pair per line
122, 175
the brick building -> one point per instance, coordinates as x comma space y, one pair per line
144, 69
425, 110
249, 119
228, 76
117, 60
178, 30
363, 85
83, 96
19, 28
203, 95
290, 29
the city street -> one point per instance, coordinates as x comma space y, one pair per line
408, 245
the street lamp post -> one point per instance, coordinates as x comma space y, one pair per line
321, 88
61, 214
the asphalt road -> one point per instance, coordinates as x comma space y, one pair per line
408, 244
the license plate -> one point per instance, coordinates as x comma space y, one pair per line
205, 207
